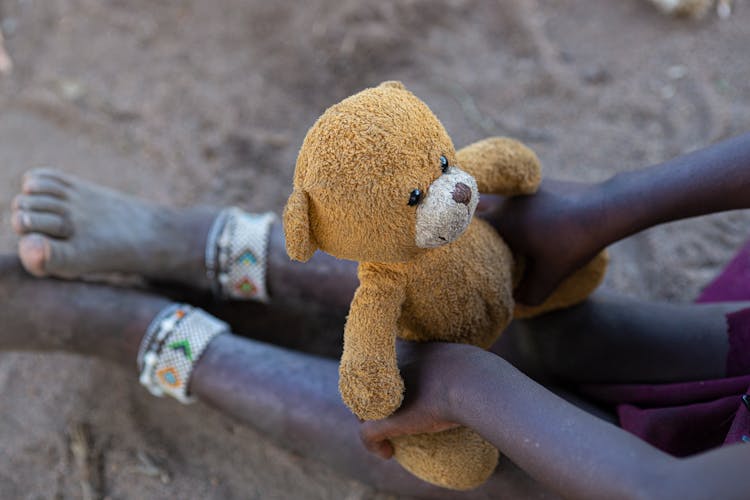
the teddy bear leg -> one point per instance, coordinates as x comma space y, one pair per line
369, 379
372, 389
502, 166
457, 459
572, 291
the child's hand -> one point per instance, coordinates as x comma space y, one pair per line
556, 231
429, 372
564, 225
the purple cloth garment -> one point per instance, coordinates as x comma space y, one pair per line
690, 417
733, 284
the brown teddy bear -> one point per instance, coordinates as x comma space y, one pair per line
378, 181
694, 8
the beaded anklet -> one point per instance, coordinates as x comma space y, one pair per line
237, 254
174, 342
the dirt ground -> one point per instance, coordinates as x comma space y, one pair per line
199, 101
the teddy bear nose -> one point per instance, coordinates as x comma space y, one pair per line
462, 193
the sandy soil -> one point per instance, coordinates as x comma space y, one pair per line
208, 101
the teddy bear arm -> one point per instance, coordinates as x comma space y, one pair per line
501, 166
369, 379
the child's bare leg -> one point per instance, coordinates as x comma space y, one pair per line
613, 338
70, 227
57, 315
290, 396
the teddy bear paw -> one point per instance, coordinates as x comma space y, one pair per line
370, 389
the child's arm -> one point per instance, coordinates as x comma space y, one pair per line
570, 451
710, 180
564, 225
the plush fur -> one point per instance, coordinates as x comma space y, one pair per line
378, 181
685, 8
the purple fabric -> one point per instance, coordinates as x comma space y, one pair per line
738, 359
734, 281
682, 418
691, 417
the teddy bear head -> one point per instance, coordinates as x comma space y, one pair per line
376, 180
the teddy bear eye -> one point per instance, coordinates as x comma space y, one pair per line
414, 197
444, 164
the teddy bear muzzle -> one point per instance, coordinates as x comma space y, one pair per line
447, 209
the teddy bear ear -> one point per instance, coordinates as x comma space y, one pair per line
300, 244
394, 84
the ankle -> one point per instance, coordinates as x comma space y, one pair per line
237, 254
180, 255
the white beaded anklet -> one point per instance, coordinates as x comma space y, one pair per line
237, 254
174, 342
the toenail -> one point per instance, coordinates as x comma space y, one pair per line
26, 220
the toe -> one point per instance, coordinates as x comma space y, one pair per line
38, 184
43, 256
39, 203
52, 174
55, 225
34, 251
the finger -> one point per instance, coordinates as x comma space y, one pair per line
536, 285
383, 449
376, 433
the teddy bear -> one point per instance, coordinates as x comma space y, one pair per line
694, 8
378, 181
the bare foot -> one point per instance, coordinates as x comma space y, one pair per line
46, 315
71, 228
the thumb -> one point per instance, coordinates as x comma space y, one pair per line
376, 433
537, 283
